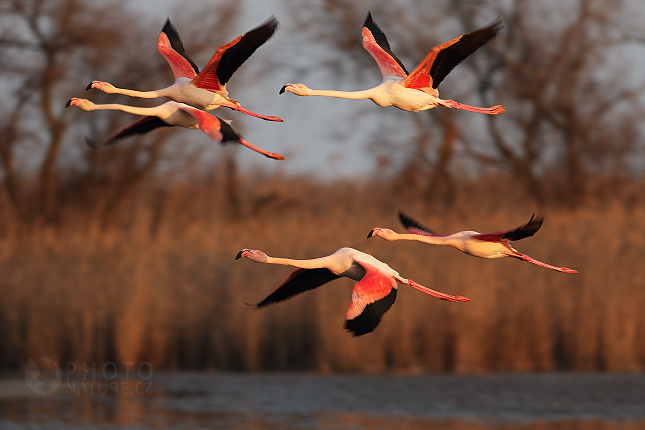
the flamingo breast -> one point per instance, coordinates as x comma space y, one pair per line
483, 249
200, 98
393, 93
172, 115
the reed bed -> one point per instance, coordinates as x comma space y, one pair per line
160, 283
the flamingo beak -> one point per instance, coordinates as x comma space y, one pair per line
283, 88
68, 104
89, 87
371, 233
239, 254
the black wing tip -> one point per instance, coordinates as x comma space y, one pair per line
536, 220
91, 143
228, 133
492, 29
372, 26
268, 27
406, 219
408, 222
371, 316
525, 230
497, 24
169, 28
368, 19
271, 22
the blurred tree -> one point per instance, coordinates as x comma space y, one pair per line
49, 51
572, 112
42, 43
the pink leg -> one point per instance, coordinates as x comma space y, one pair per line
539, 263
491, 110
434, 293
248, 112
261, 151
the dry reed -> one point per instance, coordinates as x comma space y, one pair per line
160, 284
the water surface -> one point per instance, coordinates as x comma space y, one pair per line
308, 401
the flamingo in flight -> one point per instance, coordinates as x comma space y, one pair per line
494, 244
372, 296
416, 91
204, 90
169, 114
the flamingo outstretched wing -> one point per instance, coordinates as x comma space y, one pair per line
375, 42
142, 126
220, 131
443, 58
525, 230
414, 227
372, 296
230, 57
298, 282
172, 49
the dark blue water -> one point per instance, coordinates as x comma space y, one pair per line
306, 401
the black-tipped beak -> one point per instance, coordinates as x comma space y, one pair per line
89, 87
283, 88
371, 233
68, 104
239, 254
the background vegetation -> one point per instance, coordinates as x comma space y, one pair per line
126, 254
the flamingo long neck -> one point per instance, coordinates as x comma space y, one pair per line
303, 264
144, 111
164, 92
433, 240
351, 95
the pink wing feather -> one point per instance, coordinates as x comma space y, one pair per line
375, 42
172, 49
372, 296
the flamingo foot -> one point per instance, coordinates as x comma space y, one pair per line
248, 112
528, 259
261, 151
437, 294
494, 110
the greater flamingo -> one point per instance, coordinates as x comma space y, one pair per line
204, 90
167, 115
372, 296
494, 244
416, 91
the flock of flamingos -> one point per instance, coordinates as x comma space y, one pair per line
195, 92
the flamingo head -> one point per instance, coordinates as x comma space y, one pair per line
253, 254
82, 103
297, 89
385, 233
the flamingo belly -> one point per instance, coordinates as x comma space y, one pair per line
392, 93
200, 98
